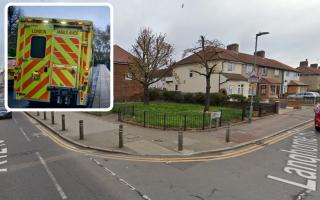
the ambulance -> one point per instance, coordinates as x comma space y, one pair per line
53, 61
11, 68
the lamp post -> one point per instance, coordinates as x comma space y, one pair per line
254, 65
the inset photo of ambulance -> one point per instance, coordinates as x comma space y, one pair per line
58, 57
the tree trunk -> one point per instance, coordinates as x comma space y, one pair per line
146, 95
207, 99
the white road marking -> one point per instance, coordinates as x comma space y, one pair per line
14, 119
54, 180
120, 179
302, 162
24, 134
3, 161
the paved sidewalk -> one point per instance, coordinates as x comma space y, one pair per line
102, 132
102, 94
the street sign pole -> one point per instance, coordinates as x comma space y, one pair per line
254, 65
251, 105
252, 79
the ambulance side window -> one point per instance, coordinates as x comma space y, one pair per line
38, 47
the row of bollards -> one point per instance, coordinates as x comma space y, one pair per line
63, 122
121, 141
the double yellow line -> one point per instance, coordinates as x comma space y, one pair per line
226, 155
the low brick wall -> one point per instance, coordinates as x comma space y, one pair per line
294, 104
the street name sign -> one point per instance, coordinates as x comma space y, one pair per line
215, 115
253, 77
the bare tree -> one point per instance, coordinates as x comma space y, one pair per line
101, 45
151, 53
206, 51
13, 17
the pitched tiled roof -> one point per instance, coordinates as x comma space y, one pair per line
166, 72
238, 57
235, 77
121, 56
309, 71
269, 80
294, 82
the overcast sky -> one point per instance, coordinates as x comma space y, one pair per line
293, 24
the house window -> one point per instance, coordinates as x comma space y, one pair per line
128, 77
295, 74
190, 74
263, 90
276, 72
176, 88
240, 89
264, 71
249, 69
287, 73
285, 89
273, 90
230, 90
231, 67
38, 47
252, 91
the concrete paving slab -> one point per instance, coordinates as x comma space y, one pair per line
146, 147
187, 141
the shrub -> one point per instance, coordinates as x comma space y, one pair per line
155, 95
169, 95
189, 98
199, 98
218, 99
256, 99
178, 97
237, 98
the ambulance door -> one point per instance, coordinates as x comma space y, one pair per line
35, 63
66, 58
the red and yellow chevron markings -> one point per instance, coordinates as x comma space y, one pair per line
85, 55
66, 61
64, 76
25, 84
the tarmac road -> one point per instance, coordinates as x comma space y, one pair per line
38, 169
80, 176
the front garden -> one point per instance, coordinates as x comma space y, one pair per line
175, 115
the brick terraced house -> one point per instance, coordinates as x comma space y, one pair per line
125, 89
310, 74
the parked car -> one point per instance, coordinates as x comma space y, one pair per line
317, 117
4, 114
304, 95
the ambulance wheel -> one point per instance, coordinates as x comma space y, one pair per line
54, 100
73, 101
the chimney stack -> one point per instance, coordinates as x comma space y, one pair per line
233, 47
261, 54
315, 65
304, 63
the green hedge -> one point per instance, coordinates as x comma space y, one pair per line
216, 99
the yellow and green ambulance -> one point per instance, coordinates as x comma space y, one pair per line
53, 61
